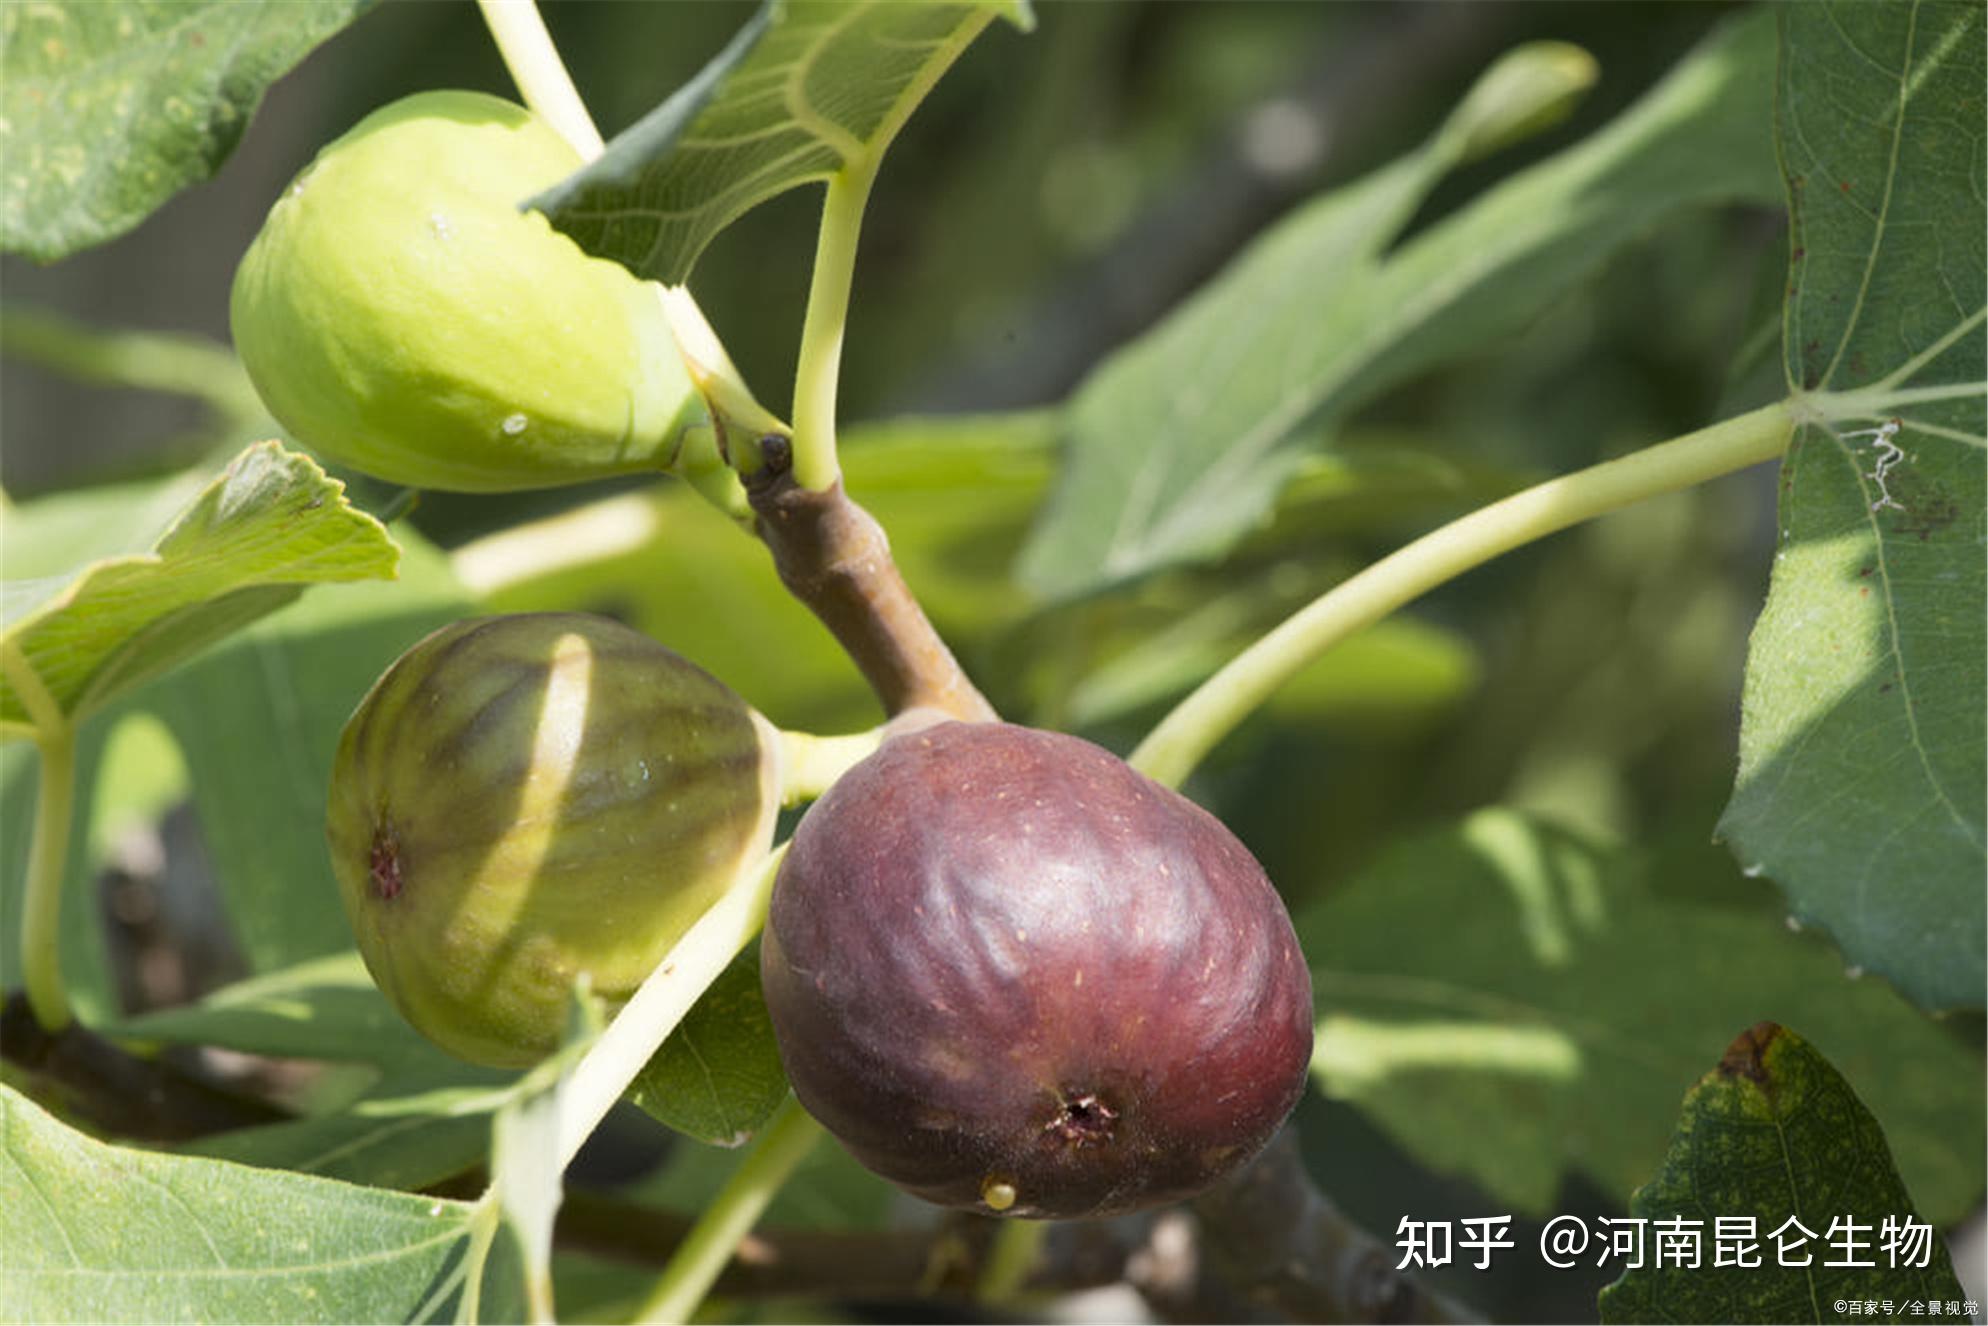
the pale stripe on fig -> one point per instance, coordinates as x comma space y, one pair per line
560, 794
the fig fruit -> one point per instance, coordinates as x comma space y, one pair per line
399, 314
1010, 973
521, 799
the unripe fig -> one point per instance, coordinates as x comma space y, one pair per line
1009, 973
522, 799
399, 314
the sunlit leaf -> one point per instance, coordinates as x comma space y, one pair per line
248, 544
1863, 776
108, 110
94, 1233
806, 88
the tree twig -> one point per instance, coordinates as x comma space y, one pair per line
147, 1100
941, 1261
1270, 1232
833, 556
1264, 1245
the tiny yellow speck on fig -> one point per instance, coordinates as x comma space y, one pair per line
400, 314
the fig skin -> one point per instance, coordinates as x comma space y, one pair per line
521, 799
397, 312
1011, 974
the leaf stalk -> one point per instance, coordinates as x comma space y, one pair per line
786, 1140
1215, 708
542, 78
815, 465
48, 853
661, 1002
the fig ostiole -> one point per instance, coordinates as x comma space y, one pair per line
521, 802
1012, 974
399, 314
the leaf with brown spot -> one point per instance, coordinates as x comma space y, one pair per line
1774, 1133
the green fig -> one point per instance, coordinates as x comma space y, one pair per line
523, 799
399, 314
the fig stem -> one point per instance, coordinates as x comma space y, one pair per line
661, 1002
1009, 1260
695, 1266
48, 853
810, 764
833, 556
1215, 708
827, 317
542, 78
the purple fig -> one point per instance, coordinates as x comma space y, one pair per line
523, 799
1010, 973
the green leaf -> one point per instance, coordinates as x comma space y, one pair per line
1512, 1003
325, 1009
1862, 775
1180, 442
718, 1077
1775, 1134
425, 1118
805, 89
90, 1232
44, 540
143, 778
108, 110
410, 1135
258, 720
268, 526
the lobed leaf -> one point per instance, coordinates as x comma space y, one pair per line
806, 88
108, 110
1862, 774
1775, 1134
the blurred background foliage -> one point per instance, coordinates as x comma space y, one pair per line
1056, 194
